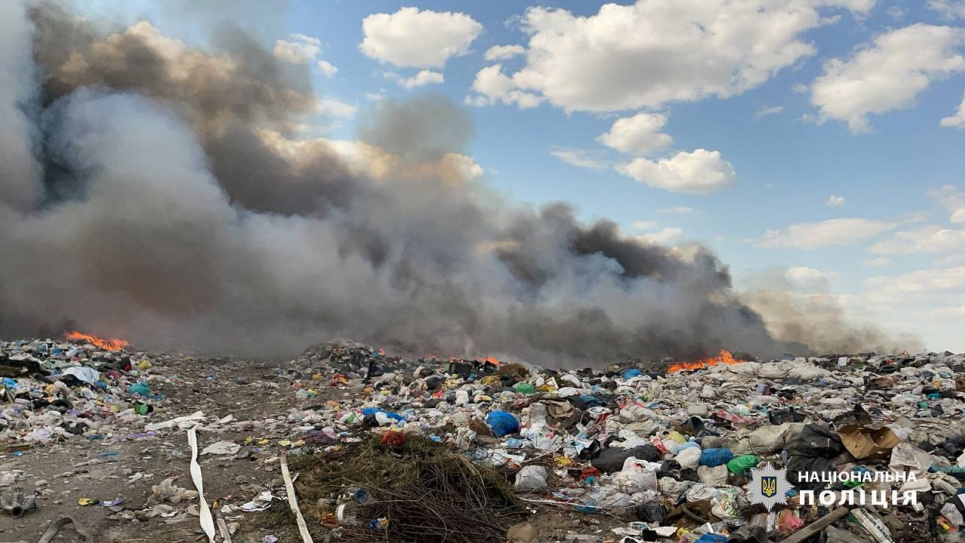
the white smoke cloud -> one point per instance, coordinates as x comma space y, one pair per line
19, 170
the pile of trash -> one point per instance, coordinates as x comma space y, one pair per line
841, 449
55, 390
342, 356
677, 455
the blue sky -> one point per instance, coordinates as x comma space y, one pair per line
791, 105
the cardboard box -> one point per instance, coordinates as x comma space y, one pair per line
868, 444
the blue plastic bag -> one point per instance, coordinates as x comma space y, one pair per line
631, 373
139, 388
373, 410
715, 457
502, 423
682, 446
712, 538
592, 401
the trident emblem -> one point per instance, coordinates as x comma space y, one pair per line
769, 486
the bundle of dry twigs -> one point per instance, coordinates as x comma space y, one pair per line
426, 492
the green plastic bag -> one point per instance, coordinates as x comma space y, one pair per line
524, 388
740, 464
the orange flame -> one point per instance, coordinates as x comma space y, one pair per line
106, 344
723, 358
492, 360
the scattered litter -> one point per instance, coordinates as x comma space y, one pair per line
261, 502
17, 503
8, 478
169, 492
221, 448
466, 450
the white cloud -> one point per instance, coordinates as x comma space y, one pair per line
809, 279
834, 232
307, 39
880, 262
927, 239
921, 281
300, 48
327, 68
768, 111
424, 77
680, 210
949, 260
951, 199
583, 158
421, 39
950, 311
643, 225
806, 273
649, 53
834, 201
503, 52
958, 215
859, 8
949, 9
638, 135
698, 172
666, 236
958, 119
888, 75
335, 108
492, 86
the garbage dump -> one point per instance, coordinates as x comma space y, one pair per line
843, 449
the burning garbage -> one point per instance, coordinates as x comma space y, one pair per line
723, 358
105, 344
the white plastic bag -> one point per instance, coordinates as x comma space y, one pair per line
531, 479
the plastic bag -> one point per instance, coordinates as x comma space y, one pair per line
502, 423
740, 464
531, 479
715, 457
635, 479
712, 476
689, 457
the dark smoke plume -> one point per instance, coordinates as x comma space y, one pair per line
158, 192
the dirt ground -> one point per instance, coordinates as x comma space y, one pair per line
116, 467
102, 469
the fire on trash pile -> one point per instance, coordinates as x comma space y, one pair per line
347, 443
